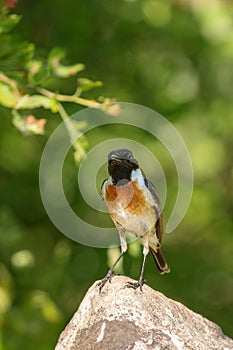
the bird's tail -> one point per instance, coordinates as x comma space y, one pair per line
160, 261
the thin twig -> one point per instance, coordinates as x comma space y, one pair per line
69, 98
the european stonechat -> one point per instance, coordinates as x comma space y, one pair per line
134, 205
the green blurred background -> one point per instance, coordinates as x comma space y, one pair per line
175, 57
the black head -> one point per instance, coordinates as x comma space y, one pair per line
121, 162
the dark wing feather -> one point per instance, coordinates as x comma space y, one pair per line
102, 194
155, 196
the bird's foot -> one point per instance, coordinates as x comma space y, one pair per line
136, 285
107, 278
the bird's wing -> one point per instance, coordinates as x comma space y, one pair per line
155, 196
103, 189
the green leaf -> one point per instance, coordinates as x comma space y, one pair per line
56, 54
8, 22
67, 71
60, 70
28, 125
80, 125
23, 52
7, 97
87, 84
38, 73
18, 121
36, 101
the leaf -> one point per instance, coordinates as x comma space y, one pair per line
22, 52
87, 84
80, 125
7, 97
60, 70
109, 106
67, 71
56, 55
8, 22
34, 66
29, 124
36, 101
38, 73
113, 109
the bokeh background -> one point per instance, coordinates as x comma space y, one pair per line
175, 57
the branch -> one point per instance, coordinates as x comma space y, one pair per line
69, 98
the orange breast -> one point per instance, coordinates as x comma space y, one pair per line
127, 197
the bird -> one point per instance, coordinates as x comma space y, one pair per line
134, 205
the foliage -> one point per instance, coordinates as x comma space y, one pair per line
25, 76
173, 56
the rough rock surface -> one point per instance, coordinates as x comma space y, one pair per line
124, 318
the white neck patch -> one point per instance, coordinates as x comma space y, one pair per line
137, 175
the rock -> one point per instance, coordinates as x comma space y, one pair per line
124, 318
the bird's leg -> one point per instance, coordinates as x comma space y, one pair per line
141, 280
110, 273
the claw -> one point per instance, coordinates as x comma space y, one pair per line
107, 278
135, 285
